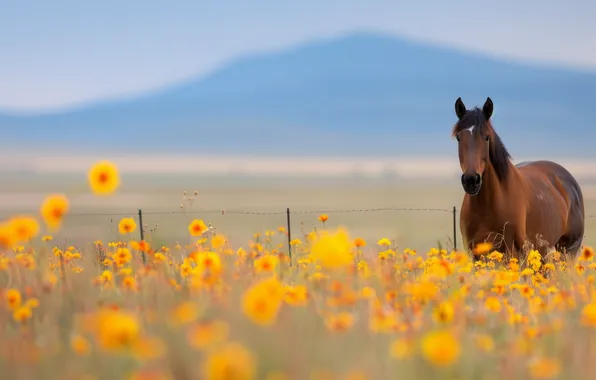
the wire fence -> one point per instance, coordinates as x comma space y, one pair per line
145, 218
286, 218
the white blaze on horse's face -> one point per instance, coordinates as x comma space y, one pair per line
471, 129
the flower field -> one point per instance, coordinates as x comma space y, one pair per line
339, 307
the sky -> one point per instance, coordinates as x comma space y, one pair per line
59, 54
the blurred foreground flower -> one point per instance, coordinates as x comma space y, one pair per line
206, 334
440, 348
103, 178
230, 362
483, 248
53, 209
24, 228
333, 250
261, 302
544, 368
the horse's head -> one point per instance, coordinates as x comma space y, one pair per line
473, 133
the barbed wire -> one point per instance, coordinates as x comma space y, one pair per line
246, 212
337, 211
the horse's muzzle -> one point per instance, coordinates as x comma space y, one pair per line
471, 183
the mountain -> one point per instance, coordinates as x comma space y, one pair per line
360, 93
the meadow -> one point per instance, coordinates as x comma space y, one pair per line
212, 295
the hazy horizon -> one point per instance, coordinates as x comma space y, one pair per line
253, 165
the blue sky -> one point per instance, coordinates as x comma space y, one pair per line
55, 54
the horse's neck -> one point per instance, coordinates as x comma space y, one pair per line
493, 191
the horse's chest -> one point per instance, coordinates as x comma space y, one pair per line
480, 229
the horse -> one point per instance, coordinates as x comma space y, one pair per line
535, 203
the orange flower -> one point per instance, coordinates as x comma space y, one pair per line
13, 298
323, 217
359, 242
587, 253
143, 246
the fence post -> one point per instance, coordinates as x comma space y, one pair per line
454, 229
289, 230
142, 231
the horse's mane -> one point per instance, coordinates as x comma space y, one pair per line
499, 156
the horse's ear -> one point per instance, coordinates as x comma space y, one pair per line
460, 108
487, 109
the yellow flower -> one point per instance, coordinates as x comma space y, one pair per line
185, 313
443, 313
485, 342
333, 251
423, 290
440, 348
126, 226
22, 314
589, 315
129, 283
80, 345
261, 302
231, 362
122, 256
341, 321
218, 241
197, 227
544, 368
53, 209
296, 295
482, 248
401, 349
24, 228
384, 242
117, 329
207, 334
7, 236
32, 303
266, 263
208, 262
103, 178
493, 304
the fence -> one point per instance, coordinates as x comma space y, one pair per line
286, 214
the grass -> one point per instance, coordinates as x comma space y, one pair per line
228, 304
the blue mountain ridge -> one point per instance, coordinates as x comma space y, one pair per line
361, 93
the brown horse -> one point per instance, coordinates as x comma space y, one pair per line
508, 205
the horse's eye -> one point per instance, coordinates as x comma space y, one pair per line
457, 137
486, 138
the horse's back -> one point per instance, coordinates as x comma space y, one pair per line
548, 175
557, 176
